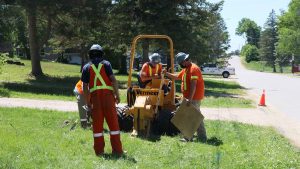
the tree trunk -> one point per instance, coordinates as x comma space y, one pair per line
145, 47
27, 52
122, 64
280, 67
274, 67
33, 42
83, 55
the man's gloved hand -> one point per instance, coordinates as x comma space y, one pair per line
87, 108
117, 97
188, 102
164, 71
156, 76
76, 94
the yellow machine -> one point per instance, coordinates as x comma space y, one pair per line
145, 103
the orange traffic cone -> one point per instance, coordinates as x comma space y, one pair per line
262, 99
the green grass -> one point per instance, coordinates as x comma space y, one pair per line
37, 139
60, 79
57, 84
220, 93
262, 67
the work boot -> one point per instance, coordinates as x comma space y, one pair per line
185, 140
134, 133
119, 155
202, 139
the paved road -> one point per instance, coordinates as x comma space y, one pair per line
282, 91
282, 95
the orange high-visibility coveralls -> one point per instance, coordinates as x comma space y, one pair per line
104, 106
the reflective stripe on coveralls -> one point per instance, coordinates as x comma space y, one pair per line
114, 132
111, 133
98, 134
184, 81
98, 76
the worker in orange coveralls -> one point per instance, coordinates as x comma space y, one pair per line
100, 84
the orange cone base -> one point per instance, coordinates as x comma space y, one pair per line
262, 100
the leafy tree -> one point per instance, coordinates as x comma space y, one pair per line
196, 20
219, 38
250, 29
79, 25
268, 40
12, 26
195, 26
289, 33
189, 23
39, 26
250, 52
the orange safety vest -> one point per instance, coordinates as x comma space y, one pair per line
98, 79
158, 68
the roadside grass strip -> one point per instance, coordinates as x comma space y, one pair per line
261, 66
60, 79
40, 139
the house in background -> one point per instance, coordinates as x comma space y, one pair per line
69, 56
73, 58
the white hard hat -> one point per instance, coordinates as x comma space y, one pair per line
155, 57
96, 47
180, 57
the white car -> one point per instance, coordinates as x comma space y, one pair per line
213, 69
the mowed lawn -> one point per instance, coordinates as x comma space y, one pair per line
262, 67
60, 79
39, 139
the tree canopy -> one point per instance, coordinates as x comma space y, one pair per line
289, 31
195, 26
250, 29
268, 40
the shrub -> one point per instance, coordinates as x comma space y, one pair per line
250, 52
2, 60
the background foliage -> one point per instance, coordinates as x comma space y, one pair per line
195, 26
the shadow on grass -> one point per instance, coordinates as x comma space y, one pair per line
217, 94
221, 84
218, 77
43, 85
115, 157
151, 138
210, 87
55, 80
214, 141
